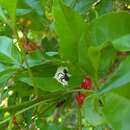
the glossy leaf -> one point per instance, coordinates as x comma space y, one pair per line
119, 78
94, 52
22, 89
84, 5
94, 55
10, 6
8, 51
104, 7
123, 43
5, 75
108, 28
116, 111
92, 112
106, 63
101, 32
123, 91
69, 26
2, 15
35, 5
46, 84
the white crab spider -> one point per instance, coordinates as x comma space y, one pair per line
62, 75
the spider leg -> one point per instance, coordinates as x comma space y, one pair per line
60, 74
62, 78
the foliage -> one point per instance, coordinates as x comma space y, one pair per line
90, 38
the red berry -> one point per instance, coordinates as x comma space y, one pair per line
80, 99
87, 83
30, 47
14, 120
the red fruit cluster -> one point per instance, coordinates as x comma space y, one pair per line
30, 47
87, 83
14, 120
80, 99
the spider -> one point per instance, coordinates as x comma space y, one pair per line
63, 75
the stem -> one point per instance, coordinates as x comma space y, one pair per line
24, 105
79, 119
31, 75
20, 108
45, 110
10, 124
26, 62
80, 90
96, 13
4, 121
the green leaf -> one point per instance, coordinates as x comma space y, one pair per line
43, 77
43, 2
108, 28
69, 2
101, 31
35, 5
94, 56
30, 10
119, 78
50, 44
5, 75
22, 89
85, 60
69, 26
10, 6
116, 111
2, 15
46, 84
106, 63
104, 6
123, 91
8, 52
48, 70
35, 58
84, 5
23, 11
77, 75
92, 112
123, 43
